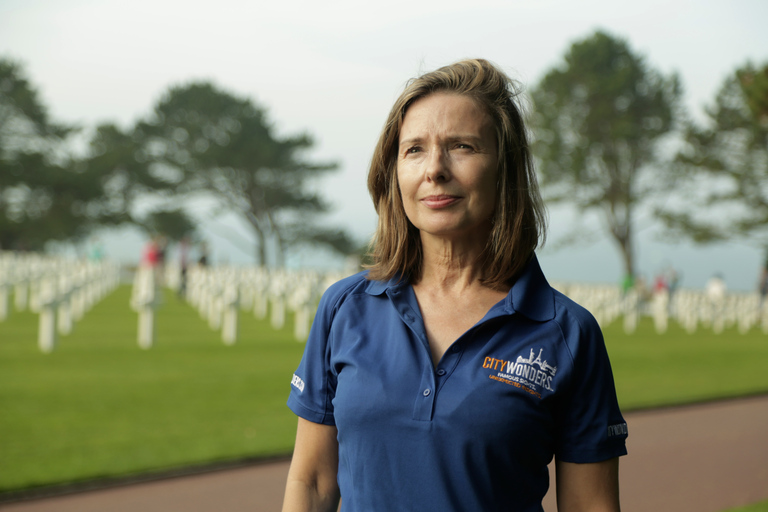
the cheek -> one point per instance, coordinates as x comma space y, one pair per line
405, 184
402, 193
488, 188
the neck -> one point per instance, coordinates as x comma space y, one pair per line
451, 264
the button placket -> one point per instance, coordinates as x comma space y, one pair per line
446, 366
427, 391
428, 386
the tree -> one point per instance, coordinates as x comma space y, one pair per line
204, 139
25, 126
727, 161
120, 168
173, 223
46, 193
599, 120
38, 183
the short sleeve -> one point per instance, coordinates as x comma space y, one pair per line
313, 386
589, 423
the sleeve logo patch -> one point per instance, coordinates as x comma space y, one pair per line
297, 383
617, 430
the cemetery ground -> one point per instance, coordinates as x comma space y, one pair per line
98, 406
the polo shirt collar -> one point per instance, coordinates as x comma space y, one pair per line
380, 287
531, 294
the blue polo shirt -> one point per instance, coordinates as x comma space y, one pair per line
529, 381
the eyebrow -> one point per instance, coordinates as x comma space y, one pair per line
452, 138
409, 141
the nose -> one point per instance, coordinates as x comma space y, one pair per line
437, 168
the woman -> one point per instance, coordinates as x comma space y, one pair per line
448, 375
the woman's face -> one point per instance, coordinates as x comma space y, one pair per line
447, 166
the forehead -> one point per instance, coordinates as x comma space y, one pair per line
444, 112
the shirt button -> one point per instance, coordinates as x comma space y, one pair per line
441, 372
455, 348
427, 392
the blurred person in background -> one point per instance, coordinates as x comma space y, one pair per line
161, 242
673, 281
627, 284
203, 258
183, 265
448, 375
150, 254
672, 278
96, 252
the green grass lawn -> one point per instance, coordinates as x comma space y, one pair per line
99, 406
757, 507
652, 370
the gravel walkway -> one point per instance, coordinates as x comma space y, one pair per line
702, 458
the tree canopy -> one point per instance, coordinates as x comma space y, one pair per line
173, 223
42, 196
726, 162
46, 192
599, 120
206, 140
199, 139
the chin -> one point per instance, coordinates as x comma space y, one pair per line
453, 232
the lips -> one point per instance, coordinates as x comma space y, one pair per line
439, 201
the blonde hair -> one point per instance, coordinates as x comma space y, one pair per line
519, 221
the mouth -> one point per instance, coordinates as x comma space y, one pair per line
439, 201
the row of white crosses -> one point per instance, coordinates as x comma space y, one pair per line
742, 310
690, 308
60, 290
215, 293
220, 293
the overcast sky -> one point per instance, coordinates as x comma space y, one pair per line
334, 68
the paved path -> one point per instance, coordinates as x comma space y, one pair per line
703, 458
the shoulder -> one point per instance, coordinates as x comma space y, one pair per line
578, 327
344, 287
343, 300
567, 310
342, 290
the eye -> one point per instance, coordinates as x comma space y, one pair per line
413, 149
463, 145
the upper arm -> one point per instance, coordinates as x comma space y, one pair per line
589, 424
312, 483
589, 487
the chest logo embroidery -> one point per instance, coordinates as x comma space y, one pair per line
531, 374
